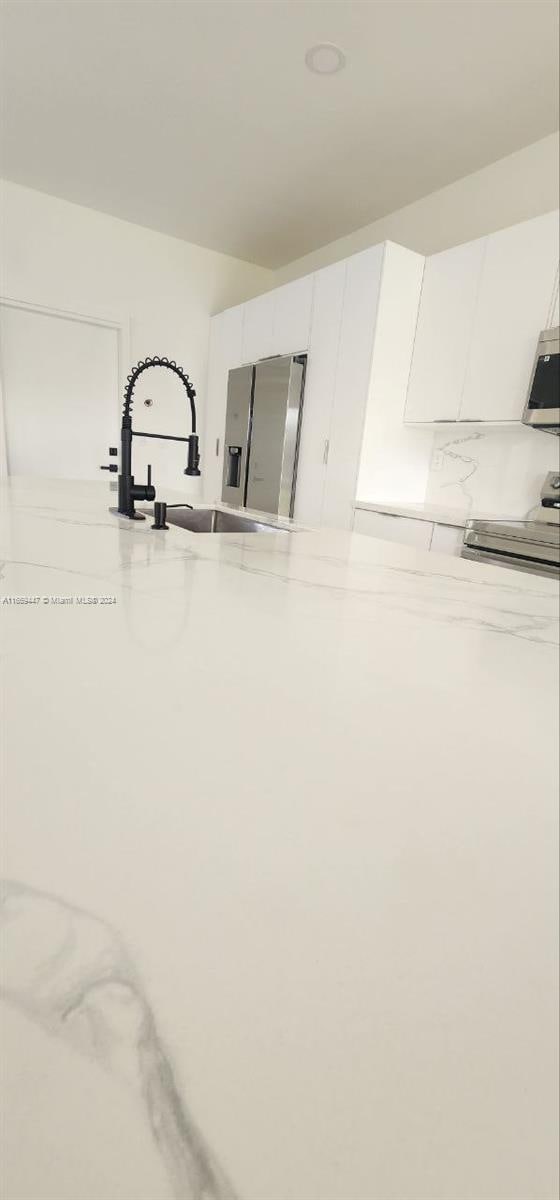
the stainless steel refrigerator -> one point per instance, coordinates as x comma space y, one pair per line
263, 421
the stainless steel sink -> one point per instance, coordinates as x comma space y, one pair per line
213, 520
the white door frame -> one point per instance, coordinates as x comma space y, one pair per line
119, 321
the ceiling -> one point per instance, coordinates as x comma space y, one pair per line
202, 120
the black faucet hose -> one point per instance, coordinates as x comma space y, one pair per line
142, 366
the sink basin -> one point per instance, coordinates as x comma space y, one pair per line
213, 520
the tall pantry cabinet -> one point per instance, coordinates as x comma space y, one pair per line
332, 316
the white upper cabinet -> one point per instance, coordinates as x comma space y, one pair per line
258, 328
482, 308
292, 316
445, 320
279, 321
513, 306
319, 393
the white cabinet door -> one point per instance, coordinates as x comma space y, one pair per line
258, 328
513, 306
279, 321
292, 316
447, 539
405, 530
353, 372
441, 345
225, 353
319, 393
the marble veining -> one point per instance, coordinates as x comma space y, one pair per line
467, 465
484, 598
285, 811
494, 473
70, 972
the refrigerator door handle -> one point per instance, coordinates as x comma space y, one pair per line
217, 447
326, 452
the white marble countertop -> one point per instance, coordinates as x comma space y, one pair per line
434, 513
281, 830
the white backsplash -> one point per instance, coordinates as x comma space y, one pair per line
495, 471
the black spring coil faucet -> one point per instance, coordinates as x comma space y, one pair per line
129, 491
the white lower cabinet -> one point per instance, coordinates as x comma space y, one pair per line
406, 530
409, 531
447, 539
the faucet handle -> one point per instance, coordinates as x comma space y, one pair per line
112, 467
148, 490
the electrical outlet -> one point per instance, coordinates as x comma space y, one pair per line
438, 460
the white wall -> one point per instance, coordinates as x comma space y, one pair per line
63, 256
523, 185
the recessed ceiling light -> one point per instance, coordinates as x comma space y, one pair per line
325, 58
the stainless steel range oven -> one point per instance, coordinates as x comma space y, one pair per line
522, 545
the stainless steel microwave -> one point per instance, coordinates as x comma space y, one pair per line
542, 409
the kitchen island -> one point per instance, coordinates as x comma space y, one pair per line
280, 830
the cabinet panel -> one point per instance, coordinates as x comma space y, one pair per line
445, 320
319, 392
225, 352
554, 316
292, 316
404, 530
447, 539
513, 306
351, 389
258, 325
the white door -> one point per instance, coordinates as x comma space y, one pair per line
513, 306
61, 394
441, 345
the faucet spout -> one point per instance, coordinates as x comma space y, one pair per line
129, 491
